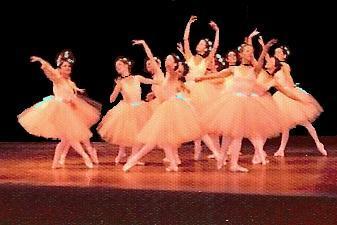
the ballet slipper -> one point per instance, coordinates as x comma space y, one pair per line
57, 165
166, 159
128, 165
320, 147
256, 160
212, 156
87, 161
238, 168
177, 159
62, 161
172, 168
279, 153
93, 155
140, 163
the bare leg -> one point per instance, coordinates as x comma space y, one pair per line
234, 166
229, 150
284, 141
92, 151
134, 150
208, 141
197, 149
170, 151
58, 150
259, 154
132, 161
216, 141
78, 148
226, 142
121, 154
176, 156
64, 153
313, 133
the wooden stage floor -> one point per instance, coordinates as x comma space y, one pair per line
302, 172
298, 189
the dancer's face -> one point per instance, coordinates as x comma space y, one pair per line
121, 67
170, 62
65, 69
247, 53
231, 58
201, 47
180, 70
151, 67
279, 54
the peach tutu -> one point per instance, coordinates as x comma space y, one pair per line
153, 104
88, 110
173, 122
201, 93
53, 118
238, 115
123, 122
295, 112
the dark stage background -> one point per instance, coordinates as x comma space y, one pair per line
98, 33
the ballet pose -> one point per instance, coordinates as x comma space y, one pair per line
200, 93
153, 66
182, 70
64, 115
295, 112
172, 123
238, 114
123, 122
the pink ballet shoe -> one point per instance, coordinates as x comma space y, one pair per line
178, 161
172, 169
238, 168
320, 147
219, 160
93, 155
88, 162
279, 153
166, 160
256, 160
126, 168
140, 163
260, 158
212, 156
62, 161
57, 165
128, 165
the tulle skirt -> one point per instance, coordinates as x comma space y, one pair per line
201, 94
237, 115
172, 123
123, 122
297, 112
53, 118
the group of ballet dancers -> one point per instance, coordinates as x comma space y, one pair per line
201, 97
